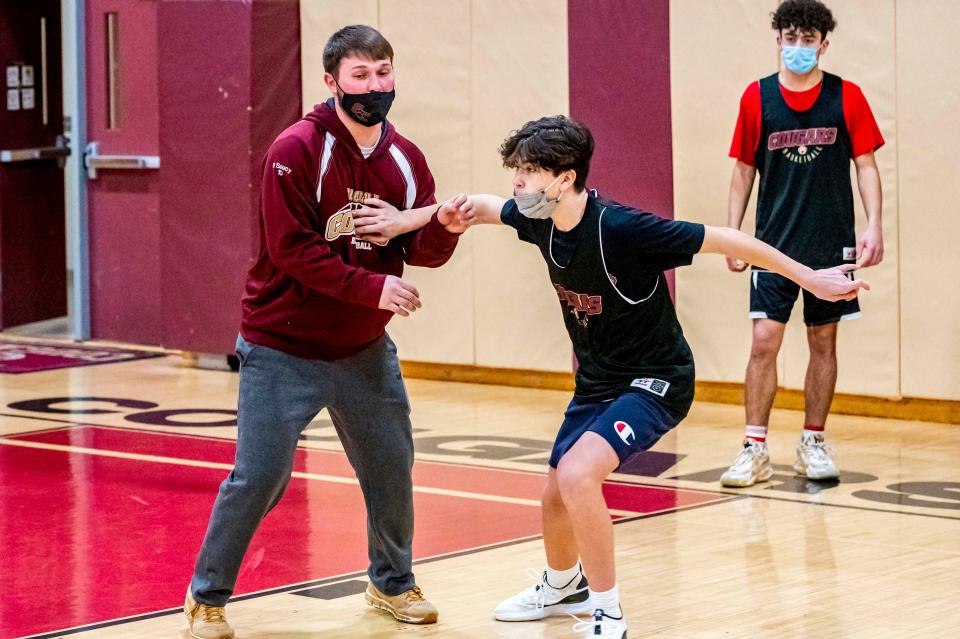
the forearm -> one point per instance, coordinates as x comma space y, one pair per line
415, 219
737, 244
431, 246
487, 208
741, 184
871, 193
315, 266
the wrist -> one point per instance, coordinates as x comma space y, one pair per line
805, 277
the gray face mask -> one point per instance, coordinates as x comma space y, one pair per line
535, 205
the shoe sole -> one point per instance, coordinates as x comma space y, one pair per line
580, 608
188, 631
380, 604
801, 470
746, 483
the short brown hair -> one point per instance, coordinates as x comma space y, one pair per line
357, 39
555, 143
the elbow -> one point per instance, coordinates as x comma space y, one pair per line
286, 258
719, 239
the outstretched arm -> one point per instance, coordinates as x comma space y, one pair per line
481, 209
379, 222
831, 284
433, 245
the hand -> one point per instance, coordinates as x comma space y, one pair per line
378, 221
467, 212
870, 246
833, 284
399, 297
449, 214
736, 265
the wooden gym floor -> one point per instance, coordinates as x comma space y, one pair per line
108, 473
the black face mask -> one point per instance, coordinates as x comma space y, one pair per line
368, 109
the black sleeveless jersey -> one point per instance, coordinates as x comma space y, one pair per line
615, 301
805, 203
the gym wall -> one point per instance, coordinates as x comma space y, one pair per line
468, 72
906, 344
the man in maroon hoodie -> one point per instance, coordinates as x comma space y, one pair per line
316, 305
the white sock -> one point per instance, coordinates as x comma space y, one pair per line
810, 431
756, 433
558, 579
607, 601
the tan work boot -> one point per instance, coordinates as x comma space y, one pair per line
410, 606
206, 622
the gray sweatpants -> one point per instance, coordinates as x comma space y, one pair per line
279, 395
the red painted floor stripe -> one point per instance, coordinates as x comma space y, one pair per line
501, 482
94, 538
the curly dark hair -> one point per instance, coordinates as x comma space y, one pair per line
805, 15
556, 143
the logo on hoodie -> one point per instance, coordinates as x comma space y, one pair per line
281, 169
341, 222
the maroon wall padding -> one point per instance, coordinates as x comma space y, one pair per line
229, 81
620, 87
277, 93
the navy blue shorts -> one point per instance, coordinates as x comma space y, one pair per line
772, 296
631, 423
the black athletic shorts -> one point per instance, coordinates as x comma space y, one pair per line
772, 296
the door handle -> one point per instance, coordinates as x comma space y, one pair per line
93, 161
58, 152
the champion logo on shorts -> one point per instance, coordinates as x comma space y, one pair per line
655, 386
625, 432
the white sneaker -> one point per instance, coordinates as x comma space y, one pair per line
205, 622
602, 626
815, 460
543, 600
751, 465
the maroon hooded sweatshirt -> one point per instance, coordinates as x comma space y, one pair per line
314, 289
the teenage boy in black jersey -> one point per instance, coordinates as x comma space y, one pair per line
800, 128
635, 377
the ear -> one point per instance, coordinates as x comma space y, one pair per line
824, 46
331, 83
569, 177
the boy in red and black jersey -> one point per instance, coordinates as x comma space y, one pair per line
799, 129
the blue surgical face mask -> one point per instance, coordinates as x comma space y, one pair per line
799, 59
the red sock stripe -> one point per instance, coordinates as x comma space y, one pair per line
816, 429
757, 433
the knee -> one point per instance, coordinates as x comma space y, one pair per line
573, 480
266, 482
552, 500
766, 343
822, 345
